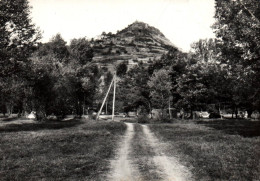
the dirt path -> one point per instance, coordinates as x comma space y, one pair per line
170, 168
148, 148
122, 168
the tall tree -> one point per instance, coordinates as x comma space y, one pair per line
160, 85
133, 90
18, 35
81, 50
121, 69
238, 31
18, 38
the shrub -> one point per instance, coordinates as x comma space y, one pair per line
214, 115
162, 119
143, 119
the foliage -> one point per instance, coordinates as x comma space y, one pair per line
160, 86
63, 83
121, 69
18, 38
80, 50
238, 31
143, 119
133, 90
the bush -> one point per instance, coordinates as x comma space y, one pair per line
163, 120
143, 119
93, 116
214, 115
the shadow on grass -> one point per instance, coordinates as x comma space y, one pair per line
39, 126
245, 128
7, 119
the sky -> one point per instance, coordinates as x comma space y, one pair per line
181, 21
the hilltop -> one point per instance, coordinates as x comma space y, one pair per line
135, 43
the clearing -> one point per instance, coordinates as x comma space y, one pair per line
71, 150
104, 150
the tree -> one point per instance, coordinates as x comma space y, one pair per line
18, 35
18, 39
160, 85
57, 47
238, 31
81, 50
133, 91
121, 69
205, 51
108, 78
62, 85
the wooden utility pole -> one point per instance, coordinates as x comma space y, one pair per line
105, 97
114, 98
106, 107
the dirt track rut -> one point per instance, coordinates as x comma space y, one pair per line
124, 169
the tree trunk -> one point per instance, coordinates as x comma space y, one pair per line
194, 115
2, 104
170, 113
150, 110
233, 112
236, 112
79, 110
40, 113
106, 107
162, 113
9, 108
219, 111
182, 113
249, 113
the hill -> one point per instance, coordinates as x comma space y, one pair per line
135, 43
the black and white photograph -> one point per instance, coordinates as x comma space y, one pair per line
130, 90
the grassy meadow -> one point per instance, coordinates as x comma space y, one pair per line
216, 149
72, 150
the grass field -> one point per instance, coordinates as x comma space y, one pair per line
215, 150
73, 150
